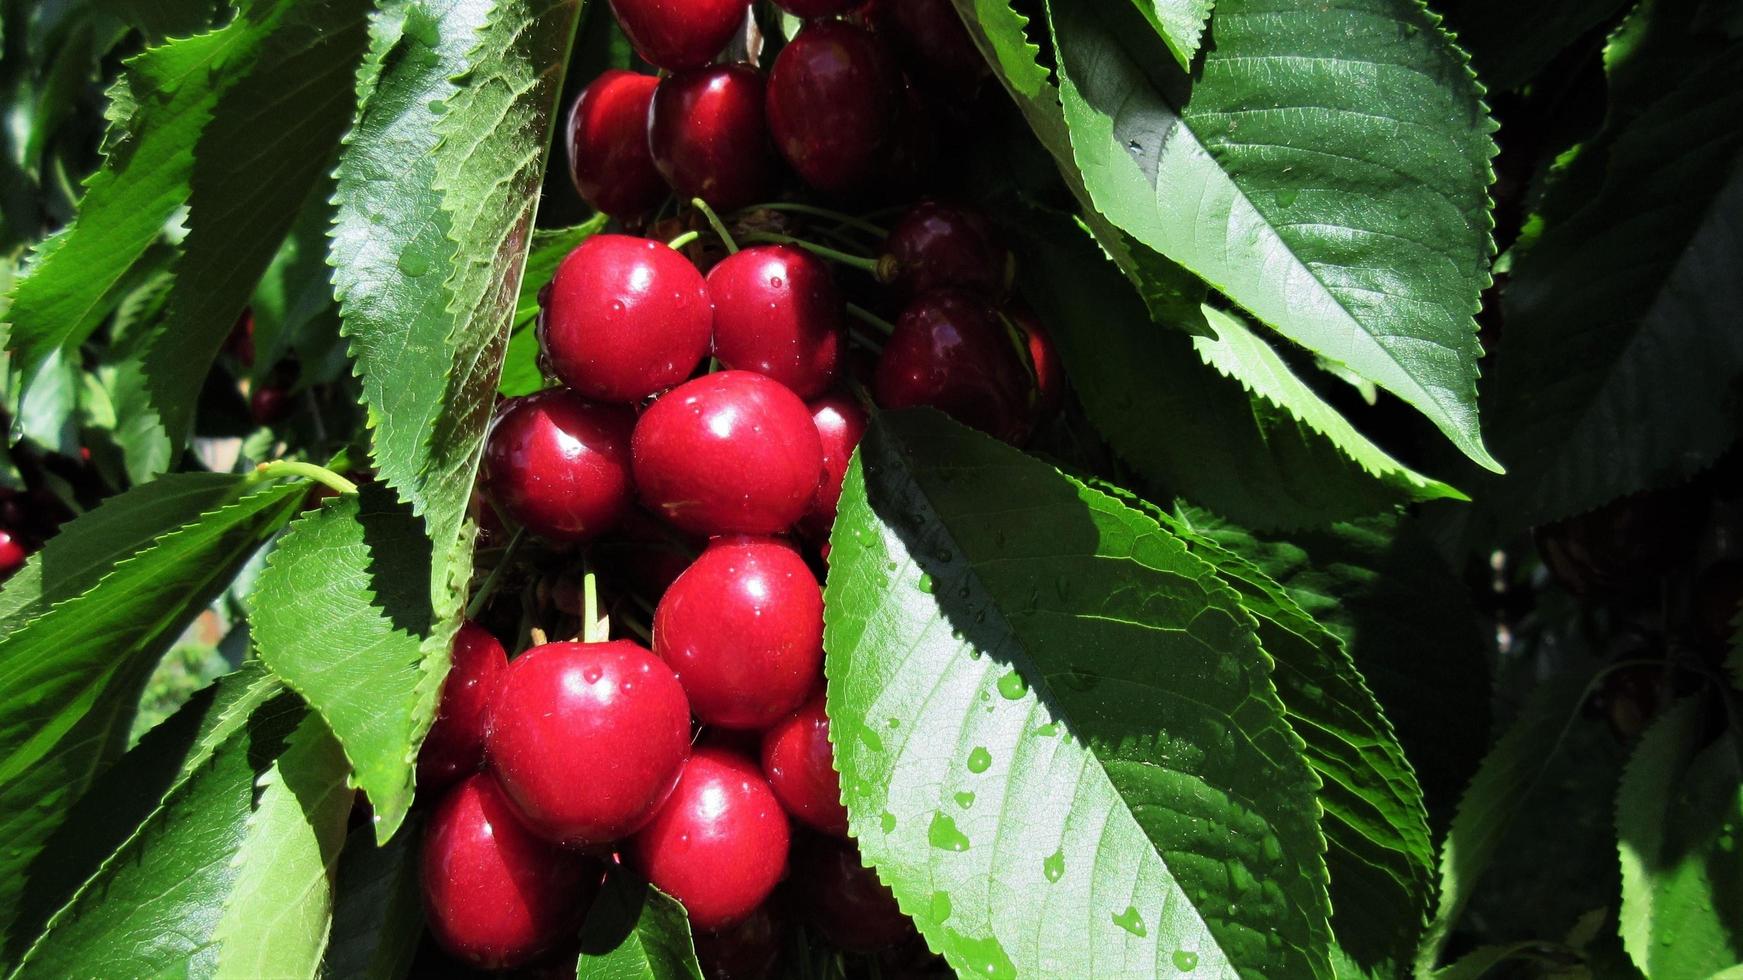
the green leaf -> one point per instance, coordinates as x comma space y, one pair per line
1478, 962
378, 915
92, 614
1678, 812
1327, 169
520, 368
634, 931
1058, 741
1620, 358
342, 614
1180, 23
1511, 42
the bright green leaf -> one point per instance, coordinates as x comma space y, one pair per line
1180, 23
634, 931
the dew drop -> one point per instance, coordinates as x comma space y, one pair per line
925, 583
870, 738
1131, 921
1053, 865
592, 674
413, 263
1049, 730
941, 906
943, 834
984, 957
1185, 960
895, 722
887, 822
1012, 686
775, 282
965, 799
980, 760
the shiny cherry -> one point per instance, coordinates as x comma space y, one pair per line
719, 845
840, 425
13, 553
746, 950
676, 36
708, 136
934, 44
608, 144
588, 739
455, 745
559, 464
817, 8
495, 895
834, 105
800, 767
743, 629
950, 351
844, 898
728, 453
626, 317
936, 245
776, 312
1044, 364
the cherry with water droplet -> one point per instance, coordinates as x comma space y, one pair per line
834, 105
607, 139
455, 745
559, 464
777, 312
800, 768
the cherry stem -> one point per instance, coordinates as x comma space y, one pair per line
683, 240
817, 212
864, 315
860, 262
593, 629
715, 223
308, 471
491, 581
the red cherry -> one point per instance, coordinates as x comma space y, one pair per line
776, 312
844, 898
708, 136
13, 554
719, 845
559, 464
743, 629
269, 403
728, 453
588, 739
677, 36
240, 342
934, 42
937, 245
1043, 362
748, 950
950, 351
627, 317
495, 895
840, 425
455, 745
800, 767
834, 104
608, 144
817, 8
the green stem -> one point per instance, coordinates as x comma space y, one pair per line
860, 262
715, 223
866, 316
491, 581
683, 240
817, 212
592, 630
308, 471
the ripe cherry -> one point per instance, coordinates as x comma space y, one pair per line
495, 895
935, 44
559, 464
1044, 363
844, 898
708, 136
834, 102
269, 403
626, 318
608, 144
817, 8
729, 452
677, 36
743, 629
455, 744
747, 950
614, 709
936, 245
776, 312
719, 845
13, 553
840, 425
950, 351
800, 767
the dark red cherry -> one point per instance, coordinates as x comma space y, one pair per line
834, 105
13, 553
269, 403
950, 351
747, 950
559, 464
626, 318
844, 898
708, 136
676, 36
588, 739
817, 8
743, 629
840, 424
455, 745
719, 845
728, 453
934, 43
608, 144
800, 767
495, 895
937, 245
1044, 363
240, 341
776, 312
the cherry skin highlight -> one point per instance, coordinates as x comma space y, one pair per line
743, 630
559, 464
800, 767
608, 144
13, 554
614, 710
627, 317
677, 36
1044, 363
950, 351
936, 245
834, 105
728, 453
840, 425
708, 136
777, 312
495, 895
844, 898
455, 745
719, 845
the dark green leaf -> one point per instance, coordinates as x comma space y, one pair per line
1511, 42
520, 367
378, 914
636, 932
